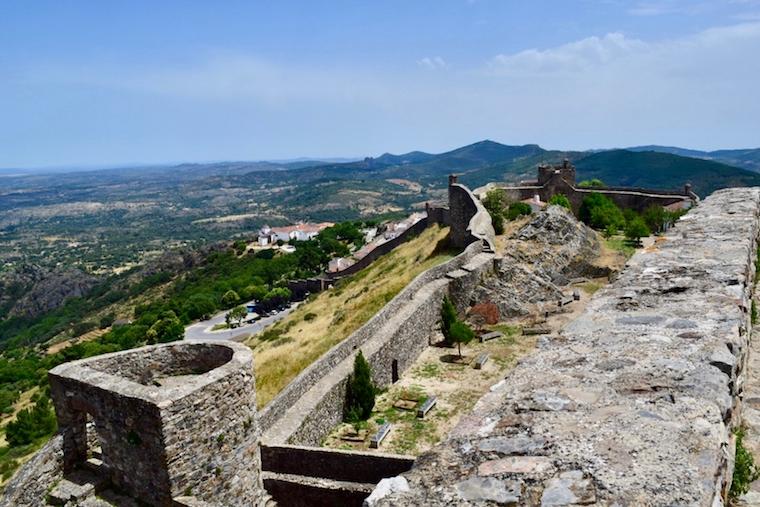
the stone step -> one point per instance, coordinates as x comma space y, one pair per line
287, 489
76, 487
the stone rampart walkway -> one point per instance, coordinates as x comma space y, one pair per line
634, 402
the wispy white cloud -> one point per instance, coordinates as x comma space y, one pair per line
574, 56
434, 63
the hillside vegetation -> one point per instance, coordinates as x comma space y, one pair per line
662, 171
284, 350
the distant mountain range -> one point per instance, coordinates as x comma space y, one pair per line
745, 159
485, 161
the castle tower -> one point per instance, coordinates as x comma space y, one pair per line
176, 423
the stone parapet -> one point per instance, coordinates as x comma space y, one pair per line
634, 402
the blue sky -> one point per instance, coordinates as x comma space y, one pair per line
104, 82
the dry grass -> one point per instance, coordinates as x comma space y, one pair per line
292, 344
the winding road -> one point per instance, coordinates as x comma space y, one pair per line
202, 330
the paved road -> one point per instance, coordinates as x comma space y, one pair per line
202, 330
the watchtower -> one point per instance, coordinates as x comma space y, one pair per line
176, 423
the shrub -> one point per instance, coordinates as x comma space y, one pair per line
592, 183
360, 392
560, 200
745, 470
517, 209
489, 312
309, 317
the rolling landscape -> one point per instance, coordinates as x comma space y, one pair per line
380, 254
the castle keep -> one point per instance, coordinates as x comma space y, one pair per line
560, 179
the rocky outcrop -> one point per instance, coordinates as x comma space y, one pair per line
45, 290
538, 259
635, 401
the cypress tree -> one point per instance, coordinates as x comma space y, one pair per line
360, 392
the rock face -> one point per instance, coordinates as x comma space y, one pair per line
43, 290
634, 403
540, 257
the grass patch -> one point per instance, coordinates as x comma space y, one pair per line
590, 288
336, 313
506, 329
620, 244
219, 327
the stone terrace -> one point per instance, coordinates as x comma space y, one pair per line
634, 402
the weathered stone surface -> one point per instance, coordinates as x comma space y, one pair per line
638, 396
486, 489
384, 488
544, 254
569, 488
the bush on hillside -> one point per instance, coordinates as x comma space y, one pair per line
517, 209
560, 200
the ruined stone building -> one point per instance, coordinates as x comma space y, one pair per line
553, 180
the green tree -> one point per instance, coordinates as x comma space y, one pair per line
448, 318
461, 334
238, 314
31, 424
230, 298
592, 183
560, 200
600, 212
494, 203
107, 319
167, 328
636, 229
360, 391
655, 217
517, 209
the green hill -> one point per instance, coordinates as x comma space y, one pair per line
745, 159
662, 170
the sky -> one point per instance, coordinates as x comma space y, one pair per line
102, 83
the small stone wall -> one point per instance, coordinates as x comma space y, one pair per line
175, 420
634, 402
347, 466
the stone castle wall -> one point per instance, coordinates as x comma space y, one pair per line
326, 411
634, 402
173, 421
321, 368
